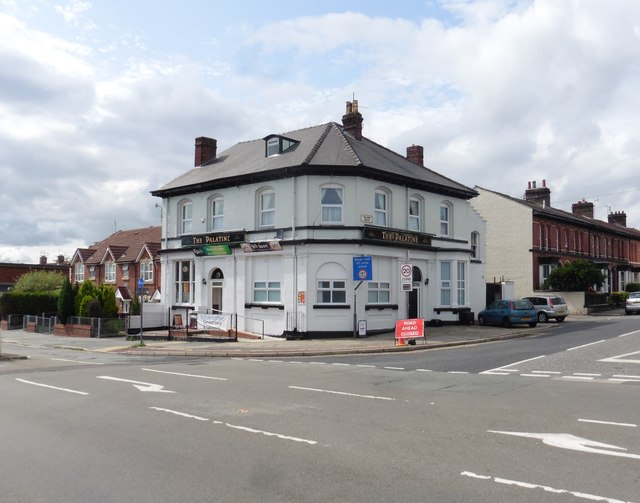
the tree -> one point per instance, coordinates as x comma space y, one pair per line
39, 281
108, 301
577, 276
66, 306
87, 292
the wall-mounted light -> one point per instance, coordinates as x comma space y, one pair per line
204, 281
426, 281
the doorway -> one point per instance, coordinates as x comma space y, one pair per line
216, 290
413, 309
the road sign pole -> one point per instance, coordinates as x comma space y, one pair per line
140, 289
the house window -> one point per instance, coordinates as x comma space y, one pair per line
186, 217
125, 271
267, 203
110, 272
380, 209
92, 272
331, 205
216, 212
332, 291
414, 215
266, 291
146, 270
445, 283
278, 145
267, 273
474, 245
545, 270
184, 282
378, 292
273, 146
462, 285
445, 219
79, 272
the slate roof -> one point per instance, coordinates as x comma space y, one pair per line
322, 150
567, 216
125, 246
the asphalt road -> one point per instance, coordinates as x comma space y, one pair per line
109, 429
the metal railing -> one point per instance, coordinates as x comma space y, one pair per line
43, 324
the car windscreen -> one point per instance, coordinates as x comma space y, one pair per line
522, 304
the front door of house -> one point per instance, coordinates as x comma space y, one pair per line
413, 309
216, 291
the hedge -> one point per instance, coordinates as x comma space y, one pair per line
28, 303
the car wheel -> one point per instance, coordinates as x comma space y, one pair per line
627, 312
481, 320
533, 325
542, 317
560, 319
506, 322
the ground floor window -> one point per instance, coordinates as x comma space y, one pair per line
445, 283
462, 283
266, 291
378, 292
545, 270
332, 292
184, 282
267, 279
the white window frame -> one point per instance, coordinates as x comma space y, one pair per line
379, 292
125, 271
328, 210
216, 213
475, 238
543, 274
185, 219
110, 272
79, 272
461, 280
267, 214
267, 292
381, 208
414, 215
92, 272
445, 219
184, 283
445, 283
146, 270
273, 146
336, 290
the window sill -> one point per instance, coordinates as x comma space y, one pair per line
331, 306
454, 310
263, 306
380, 307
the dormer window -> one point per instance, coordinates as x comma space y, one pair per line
275, 145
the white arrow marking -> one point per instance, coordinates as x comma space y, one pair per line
142, 386
567, 441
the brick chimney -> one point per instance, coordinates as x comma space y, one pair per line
352, 120
43, 260
415, 153
538, 195
206, 149
618, 218
582, 208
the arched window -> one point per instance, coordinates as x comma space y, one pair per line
216, 213
266, 204
185, 216
446, 219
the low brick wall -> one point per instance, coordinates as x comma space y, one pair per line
72, 330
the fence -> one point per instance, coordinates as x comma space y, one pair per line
101, 327
154, 315
14, 321
42, 324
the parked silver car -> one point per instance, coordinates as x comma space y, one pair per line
549, 307
632, 304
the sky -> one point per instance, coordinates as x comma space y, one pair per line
101, 101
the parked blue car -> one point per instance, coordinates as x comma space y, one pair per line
508, 312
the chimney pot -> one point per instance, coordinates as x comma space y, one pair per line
540, 196
352, 120
583, 209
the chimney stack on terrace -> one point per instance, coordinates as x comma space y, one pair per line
618, 218
352, 120
206, 149
538, 195
582, 208
415, 154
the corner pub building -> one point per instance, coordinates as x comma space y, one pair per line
306, 232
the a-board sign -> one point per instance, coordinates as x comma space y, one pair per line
409, 329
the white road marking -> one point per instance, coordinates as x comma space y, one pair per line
456, 372
185, 375
626, 377
393, 368
574, 443
528, 485
76, 361
317, 363
545, 372
623, 380
366, 366
424, 370
505, 368
586, 374
585, 345
142, 386
583, 378
183, 414
51, 387
629, 333
341, 364
621, 358
237, 427
341, 393
535, 375
630, 425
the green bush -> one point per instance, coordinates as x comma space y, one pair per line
632, 287
28, 303
66, 306
618, 297
577, 276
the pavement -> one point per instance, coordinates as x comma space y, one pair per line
153, 344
